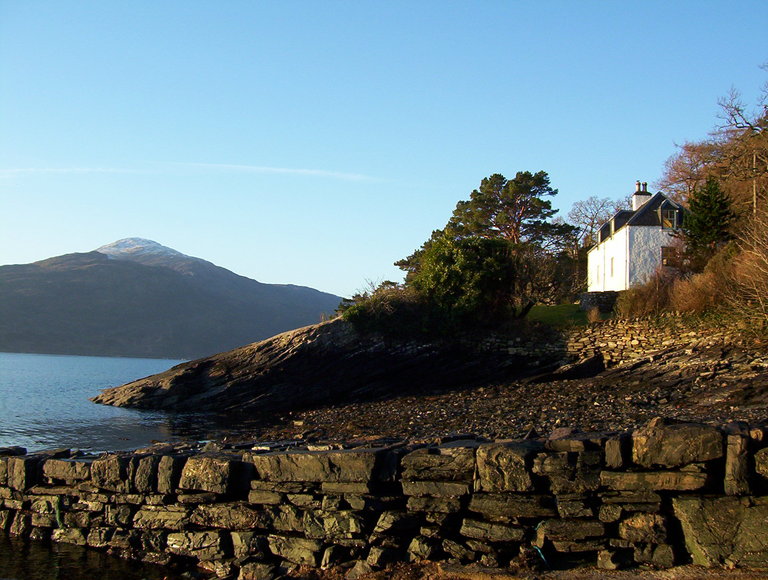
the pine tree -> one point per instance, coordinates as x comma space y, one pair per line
707, 225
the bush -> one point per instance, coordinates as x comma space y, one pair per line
393, 310
651, 298
705, 292
747, 292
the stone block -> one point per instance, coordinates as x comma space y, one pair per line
568, 531
503, 467
573, 507
345, 487
569, 442
70, 536
143, 472
571, 547
737, 465
21, 525
120, 516
231, 516
727, 530
161, 518
490, 532
435, 488
248, 544
569, 473
618, 451
352, 465
668, 444
201, 545
207, 473
169, 472
44, 521
396, 522
257, 571
610, 513
125, 540
444, 463
197, 498
23, 471
761, 462
110, 472
333, 525
458, 551
3, 471
287, 518
446, 505
609, 560
259, 497
644, 528
654, 480
297, 550
99, 537
360, 569
421, 548
511, 506
379, 556
5, 520
67, 471
661, 555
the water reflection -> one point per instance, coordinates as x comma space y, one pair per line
21, 560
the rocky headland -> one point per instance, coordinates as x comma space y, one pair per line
328, 381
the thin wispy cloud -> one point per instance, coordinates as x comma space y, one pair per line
281, 171
61, 170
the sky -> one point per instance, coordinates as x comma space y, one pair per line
316, 143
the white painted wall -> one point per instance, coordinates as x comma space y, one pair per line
645, 245
602, 275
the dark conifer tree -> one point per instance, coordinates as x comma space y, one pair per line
707, 225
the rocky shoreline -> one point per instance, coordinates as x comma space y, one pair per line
713, 385
577, 431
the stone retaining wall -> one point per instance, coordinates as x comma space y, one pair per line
664, 494
620, 340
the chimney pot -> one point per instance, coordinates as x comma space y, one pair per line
645, 186
637, 185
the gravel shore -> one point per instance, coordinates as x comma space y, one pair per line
715, 385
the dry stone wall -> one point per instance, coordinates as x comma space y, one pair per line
619, 340
665, 494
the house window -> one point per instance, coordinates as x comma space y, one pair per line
669, 257
611, 267
669, 219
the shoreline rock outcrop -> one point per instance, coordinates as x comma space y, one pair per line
325, 364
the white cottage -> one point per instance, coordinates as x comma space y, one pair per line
635, 243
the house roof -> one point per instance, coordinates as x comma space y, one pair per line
646, 215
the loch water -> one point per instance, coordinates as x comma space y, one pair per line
44, 405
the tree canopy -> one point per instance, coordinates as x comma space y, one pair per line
500, 252
707, 225
515, 210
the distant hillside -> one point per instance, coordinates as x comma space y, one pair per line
138, 298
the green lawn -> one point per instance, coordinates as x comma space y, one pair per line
559, 316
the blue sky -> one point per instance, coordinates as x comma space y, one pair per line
316, 143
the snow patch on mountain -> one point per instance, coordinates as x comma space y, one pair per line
133, 247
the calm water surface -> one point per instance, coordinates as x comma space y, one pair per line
44, 404
37, 561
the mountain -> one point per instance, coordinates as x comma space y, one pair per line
135, 297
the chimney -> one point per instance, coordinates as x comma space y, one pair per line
640, 196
